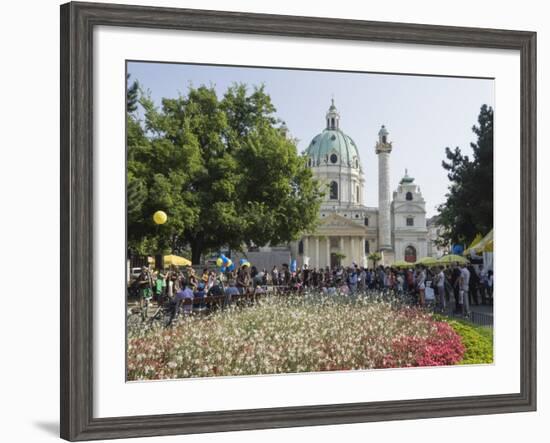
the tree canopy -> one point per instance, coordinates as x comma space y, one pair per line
221, 168
468, 209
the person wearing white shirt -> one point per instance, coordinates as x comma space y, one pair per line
440, 280
421, 285
464, 286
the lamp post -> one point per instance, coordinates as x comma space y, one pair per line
159, 218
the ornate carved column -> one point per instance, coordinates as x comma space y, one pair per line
328, 251
383, 150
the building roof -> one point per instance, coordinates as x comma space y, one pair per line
406, 179
333, 141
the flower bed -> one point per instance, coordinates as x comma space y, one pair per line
294, 334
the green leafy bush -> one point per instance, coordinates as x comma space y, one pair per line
477, 340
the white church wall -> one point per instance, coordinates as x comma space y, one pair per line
419, 243
348, 180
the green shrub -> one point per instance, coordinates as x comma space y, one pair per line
478, 341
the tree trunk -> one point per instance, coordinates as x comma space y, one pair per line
196, 251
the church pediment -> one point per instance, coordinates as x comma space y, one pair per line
337, 222
409, 207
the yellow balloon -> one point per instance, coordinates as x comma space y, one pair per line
160, 217
219, 262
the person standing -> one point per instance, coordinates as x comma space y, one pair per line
490, 287
473, 286
243, 279
381, 279
421, 285
160, 286
275, 276
363, 280
306, 274
192, 279
483, 284
285, 276
455, 282
410, 281
440, 286
353, 279
204, 277
145, 285
464, 283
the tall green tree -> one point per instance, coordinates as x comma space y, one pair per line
468, 209
221, 169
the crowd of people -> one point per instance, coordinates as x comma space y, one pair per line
458, 285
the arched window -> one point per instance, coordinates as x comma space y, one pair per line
366, 221
367, 247
410, 254
409, 196
301, 247
334, 191
384, 139
357, 193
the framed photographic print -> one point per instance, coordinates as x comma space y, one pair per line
272, 221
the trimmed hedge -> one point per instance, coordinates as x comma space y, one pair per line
477, 340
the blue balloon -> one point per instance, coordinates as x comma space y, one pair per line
231, 267
222, 269
242, 261
458, 249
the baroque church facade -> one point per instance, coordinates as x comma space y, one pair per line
348, 231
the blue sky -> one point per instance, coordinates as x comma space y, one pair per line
423, 114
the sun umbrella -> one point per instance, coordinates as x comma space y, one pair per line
451, 258
402, 264
176, 260
427, 261
485, 244
474, 243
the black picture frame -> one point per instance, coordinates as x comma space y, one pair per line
77, 23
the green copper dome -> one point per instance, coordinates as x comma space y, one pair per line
332, 146
332, 142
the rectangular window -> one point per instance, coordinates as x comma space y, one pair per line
410, 221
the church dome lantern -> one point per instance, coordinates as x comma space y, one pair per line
406, 178
333, 117
333, 147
